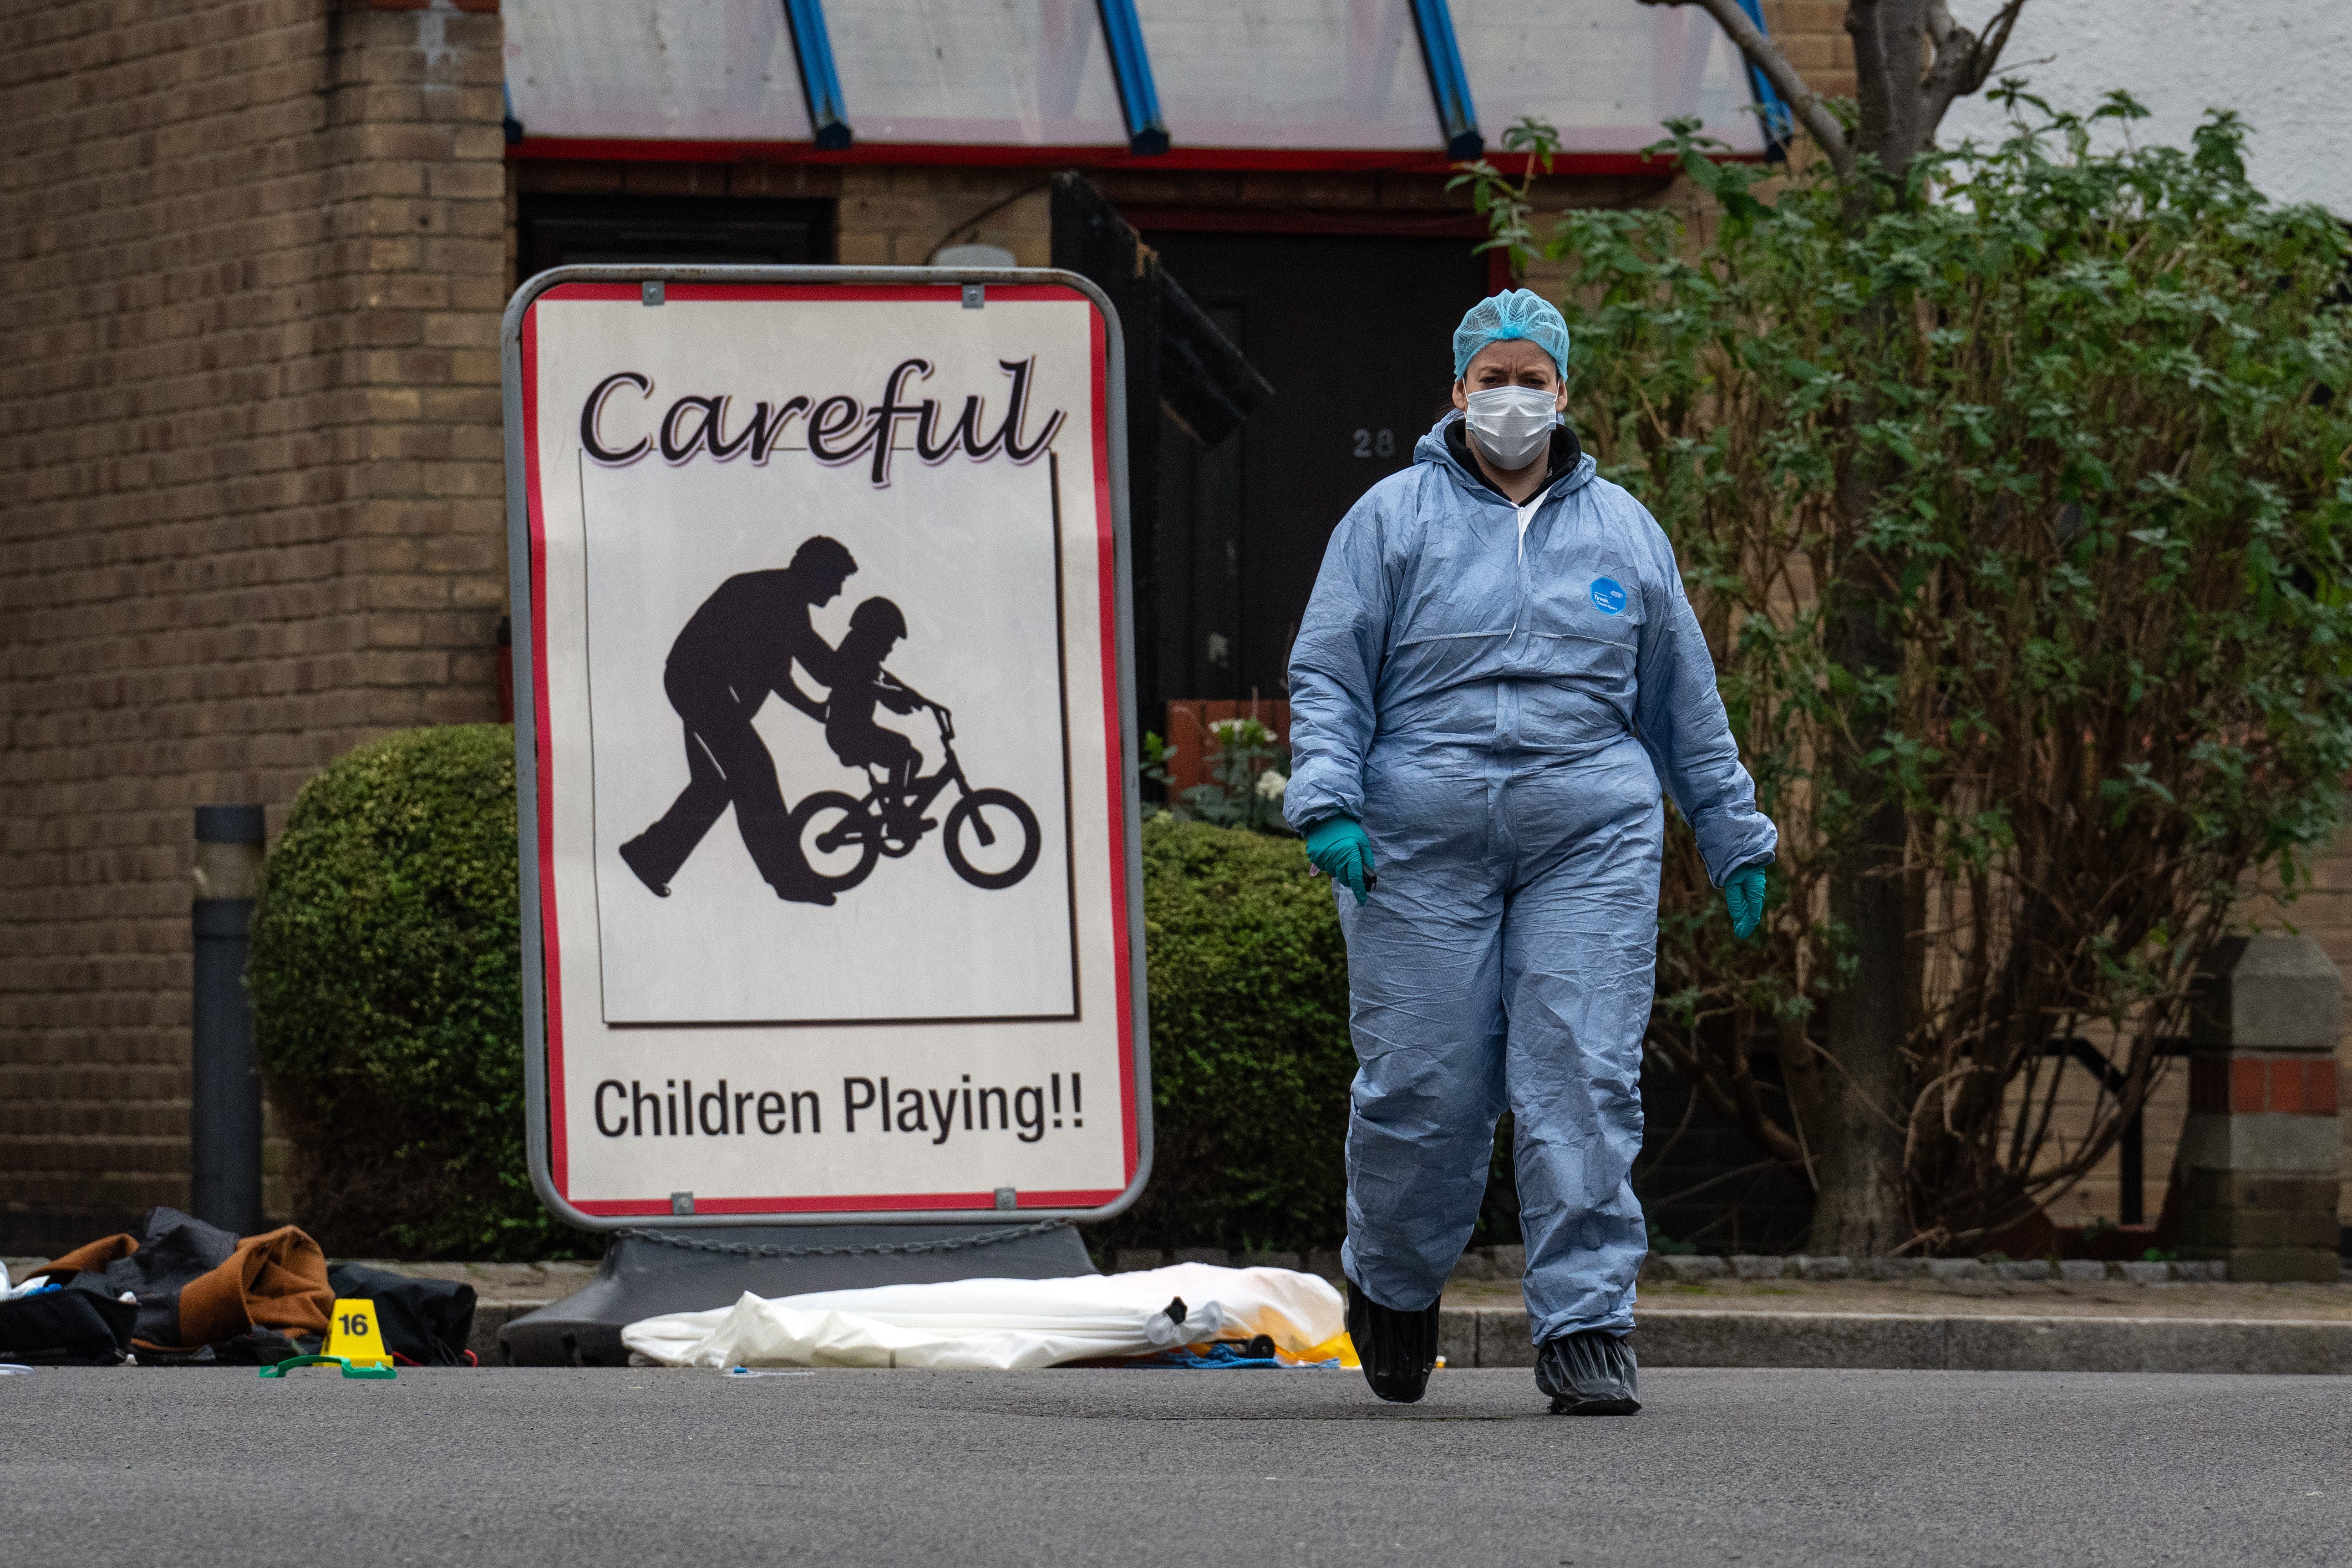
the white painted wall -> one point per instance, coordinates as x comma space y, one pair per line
2285, 65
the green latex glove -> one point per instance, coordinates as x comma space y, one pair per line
1342, 850
1743, 895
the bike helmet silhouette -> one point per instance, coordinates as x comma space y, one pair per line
878, 618
820, 554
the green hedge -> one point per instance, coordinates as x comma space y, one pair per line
1250, 1059
389, 1014
388, 1005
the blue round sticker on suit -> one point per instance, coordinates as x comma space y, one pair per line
1608, 596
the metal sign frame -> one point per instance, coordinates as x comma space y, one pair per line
519, 558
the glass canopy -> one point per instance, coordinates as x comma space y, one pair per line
1305, 75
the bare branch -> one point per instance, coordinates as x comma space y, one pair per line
1988, 53
1955, 49
1962, 60
1819, 122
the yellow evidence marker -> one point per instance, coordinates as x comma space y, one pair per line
353, 1337
355, 1343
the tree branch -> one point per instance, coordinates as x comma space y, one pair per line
1955, 49
1987, 53
1904, 29
1874, 83
1962, 60
1819, 122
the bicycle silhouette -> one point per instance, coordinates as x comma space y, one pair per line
844, 838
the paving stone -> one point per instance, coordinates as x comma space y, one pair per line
2022, 1269
1505, 1338
1510, 1262
1751, 1266
1690, 1269
1823, 1268
2210, 1271
2144, 1273
1134, 1260
2081, 1268
1216, 1255
1475, 1263
1325, 1261
1892, 1268
1955, 1268
1457, 1338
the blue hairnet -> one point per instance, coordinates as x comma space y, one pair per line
1515, 314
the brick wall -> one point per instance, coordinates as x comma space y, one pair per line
1812, 34
249, 281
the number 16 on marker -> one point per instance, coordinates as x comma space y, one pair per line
352, 1333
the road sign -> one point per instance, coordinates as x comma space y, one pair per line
832, 894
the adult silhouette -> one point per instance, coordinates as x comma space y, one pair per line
739, 646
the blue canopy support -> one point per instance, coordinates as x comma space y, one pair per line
1130, 65
1779, 125
829, 113
1449, 84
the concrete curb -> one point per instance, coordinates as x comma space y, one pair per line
1890, 1341
1898, 1343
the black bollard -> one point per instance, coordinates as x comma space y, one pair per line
225, 1081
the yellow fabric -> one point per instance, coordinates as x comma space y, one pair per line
1339, 1346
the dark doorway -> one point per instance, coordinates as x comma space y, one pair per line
1356, 335
575, 230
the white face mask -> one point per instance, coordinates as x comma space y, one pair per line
1513, 423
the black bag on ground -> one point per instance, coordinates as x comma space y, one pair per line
427, 1322
69, 1327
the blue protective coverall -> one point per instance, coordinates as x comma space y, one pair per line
1499, 714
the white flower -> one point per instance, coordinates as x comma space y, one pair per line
1270, 784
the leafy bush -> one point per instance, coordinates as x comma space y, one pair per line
388, 1004
1250, 1058
2013, 495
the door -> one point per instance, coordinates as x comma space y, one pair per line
1356, 334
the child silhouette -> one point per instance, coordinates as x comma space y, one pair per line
859, 682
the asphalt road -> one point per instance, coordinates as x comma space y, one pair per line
588, 1468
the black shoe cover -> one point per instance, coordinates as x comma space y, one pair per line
1589, 1374
1398, 1349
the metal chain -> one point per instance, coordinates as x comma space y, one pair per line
745, 1249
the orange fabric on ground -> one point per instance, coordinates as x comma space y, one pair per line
278, 1281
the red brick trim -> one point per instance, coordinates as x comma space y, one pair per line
2244, 1086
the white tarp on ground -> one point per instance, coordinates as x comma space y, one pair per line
1010, 1325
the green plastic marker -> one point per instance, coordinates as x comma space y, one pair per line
351, 1368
